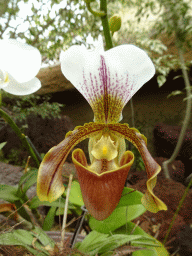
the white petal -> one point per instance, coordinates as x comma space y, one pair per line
130, 68
26, 88
77, 63
107, 79
20, 60
83, 57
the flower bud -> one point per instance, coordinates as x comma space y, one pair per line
114, 23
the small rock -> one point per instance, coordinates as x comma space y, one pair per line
183, 241
176, 169
165, 141
9, 174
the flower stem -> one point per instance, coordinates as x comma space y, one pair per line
99, 14
187, 116
177, 211
22, 137
104, 20
0, 97
65, 213
34, 148
105, 24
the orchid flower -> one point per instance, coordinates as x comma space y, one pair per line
107, 80
19, 64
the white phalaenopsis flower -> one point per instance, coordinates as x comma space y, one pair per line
19, 64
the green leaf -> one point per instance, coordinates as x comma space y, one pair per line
21, 238
161, 79
29, 179
21, 210
128, 229
115, 241
176, 77
24, 236
49, 219
154, 250
9, 239
8, 193
75, 196
35, 202
130, 197
117, 219
2, 144
98, 243
60, 210
174, 93
92, 241
16, 238
43, 237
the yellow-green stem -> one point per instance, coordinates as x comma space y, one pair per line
0, 97
187, 116
22, 137
105, 24
65, 213
99, 14
177, 211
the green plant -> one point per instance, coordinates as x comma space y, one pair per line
117, 229
35, 241
2, 145
25, 141
111, 232
100, 240
14, 157
23, 106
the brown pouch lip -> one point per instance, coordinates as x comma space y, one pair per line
101, 192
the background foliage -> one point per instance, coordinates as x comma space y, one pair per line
48, 25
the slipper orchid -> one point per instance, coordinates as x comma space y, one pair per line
107, 80
19, 64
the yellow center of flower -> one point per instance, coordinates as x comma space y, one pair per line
104, 149
5, 80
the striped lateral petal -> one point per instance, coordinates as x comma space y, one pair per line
108, 79
49, 180
149, 200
